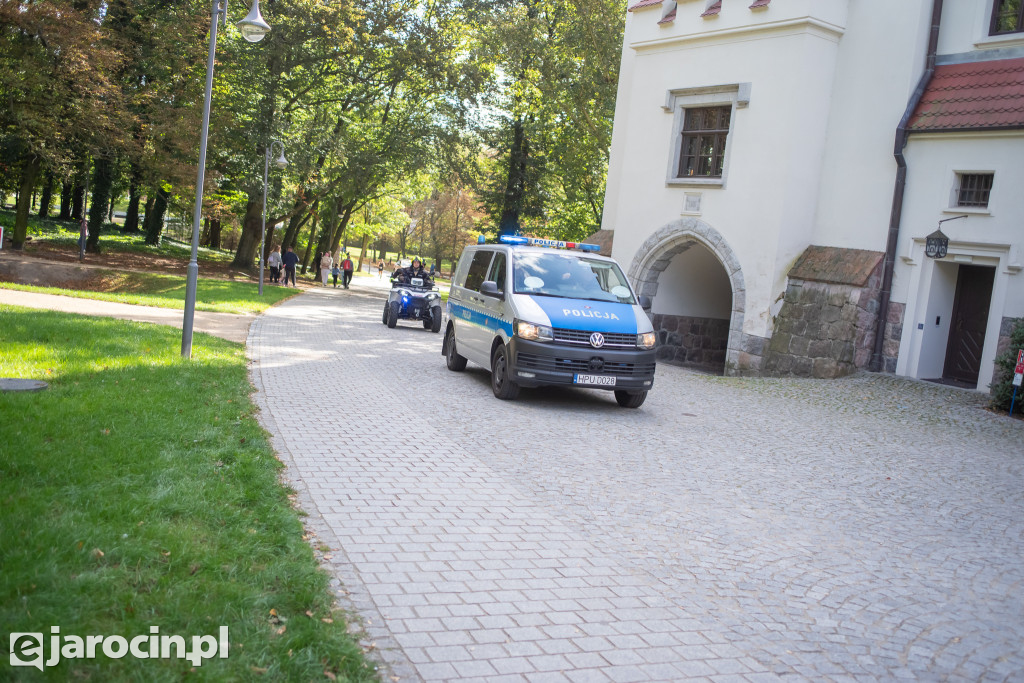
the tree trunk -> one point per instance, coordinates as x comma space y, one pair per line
47, 197
66, 190
362, 251
215, 227
204, 236
249, 242
103, 180
29, 174
77, 200
309, 244
515, 185
131, 216
295, 223
339, 231
155, 218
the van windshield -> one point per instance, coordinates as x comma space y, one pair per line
570, 276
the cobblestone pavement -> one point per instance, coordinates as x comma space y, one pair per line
868, 528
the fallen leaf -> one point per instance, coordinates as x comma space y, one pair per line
327, 620
97, 553
281, 630
330, 675
258, 670
309, 614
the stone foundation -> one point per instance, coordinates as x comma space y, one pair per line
693, 341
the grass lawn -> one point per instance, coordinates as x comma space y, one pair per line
139, 491
65, 233
168, 291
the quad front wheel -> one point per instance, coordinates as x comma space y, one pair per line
394, 311
435, 320
387, 309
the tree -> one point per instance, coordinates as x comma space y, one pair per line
58, 99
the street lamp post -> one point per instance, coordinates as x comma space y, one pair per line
280, 162
253, 28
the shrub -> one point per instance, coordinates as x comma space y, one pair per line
1002, 381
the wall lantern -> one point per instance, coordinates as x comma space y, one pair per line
936, 245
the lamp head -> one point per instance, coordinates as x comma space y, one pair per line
253, 27
281, 162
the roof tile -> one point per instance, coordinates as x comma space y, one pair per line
760, 4
973, 96
669, 18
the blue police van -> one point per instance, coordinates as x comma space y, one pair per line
540, 312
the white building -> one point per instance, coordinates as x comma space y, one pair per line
754, 184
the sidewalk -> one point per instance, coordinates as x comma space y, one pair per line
224, 325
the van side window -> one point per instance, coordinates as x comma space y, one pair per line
497, 271
478, 270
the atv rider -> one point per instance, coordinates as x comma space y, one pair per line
405, 275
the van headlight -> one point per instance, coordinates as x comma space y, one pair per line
531, 332
647, 340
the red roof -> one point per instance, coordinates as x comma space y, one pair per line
643, 3
973, 96
758, 4
669, 18
715, 8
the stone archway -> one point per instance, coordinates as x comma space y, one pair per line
670, 240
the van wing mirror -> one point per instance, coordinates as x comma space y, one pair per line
645, 302
490, 288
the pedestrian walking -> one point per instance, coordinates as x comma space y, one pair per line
346, 267
335, 272
326, 263
274, 262
290, 260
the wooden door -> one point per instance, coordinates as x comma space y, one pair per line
967, 328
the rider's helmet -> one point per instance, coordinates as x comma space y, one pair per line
416, 261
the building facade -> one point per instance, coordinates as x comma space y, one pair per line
776, 166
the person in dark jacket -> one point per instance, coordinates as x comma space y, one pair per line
346, 271
290, 259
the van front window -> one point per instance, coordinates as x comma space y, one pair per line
570, 277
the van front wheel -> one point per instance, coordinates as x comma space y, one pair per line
501, 384
630, 399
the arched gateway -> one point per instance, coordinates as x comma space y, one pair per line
656, 254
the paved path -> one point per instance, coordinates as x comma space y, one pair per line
225, 325
750, 530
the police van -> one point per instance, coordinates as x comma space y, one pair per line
539, 312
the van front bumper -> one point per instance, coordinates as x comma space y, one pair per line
537, 364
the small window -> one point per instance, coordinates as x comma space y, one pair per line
702, 148
973, 190
478, 269
497, 271
1007, 17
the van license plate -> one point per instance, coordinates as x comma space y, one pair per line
599, 380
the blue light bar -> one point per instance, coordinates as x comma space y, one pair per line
542, 242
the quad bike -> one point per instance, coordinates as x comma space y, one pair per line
417, 299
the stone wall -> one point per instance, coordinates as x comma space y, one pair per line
692, 341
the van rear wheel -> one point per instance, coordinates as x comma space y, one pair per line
501, 383
630, 399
